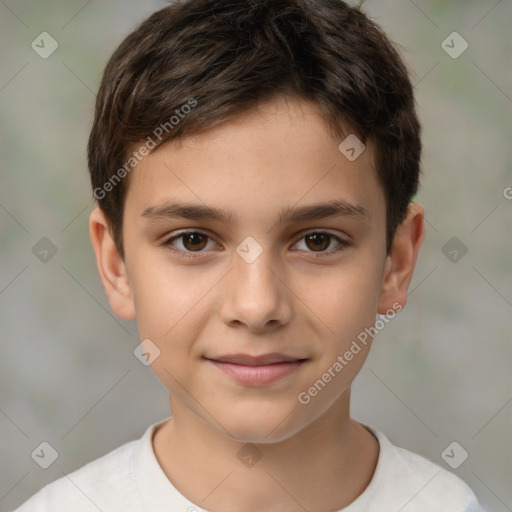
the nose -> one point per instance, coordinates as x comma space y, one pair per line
256, 294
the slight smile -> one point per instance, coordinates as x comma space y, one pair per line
257, 370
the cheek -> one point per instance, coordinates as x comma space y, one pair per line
171, 316
167, 296
173, 305
344, 302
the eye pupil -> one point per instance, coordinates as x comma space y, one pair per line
316, 238
193, 238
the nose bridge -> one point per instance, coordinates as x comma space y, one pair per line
255, 294
252, 267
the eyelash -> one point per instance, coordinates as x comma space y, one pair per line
343, 244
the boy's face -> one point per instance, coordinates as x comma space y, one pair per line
255, 285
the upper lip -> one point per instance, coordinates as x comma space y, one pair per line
248, 360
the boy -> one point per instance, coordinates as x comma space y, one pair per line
254, 164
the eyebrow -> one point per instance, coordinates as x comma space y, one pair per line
316, 211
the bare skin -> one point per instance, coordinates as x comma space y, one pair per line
305, 299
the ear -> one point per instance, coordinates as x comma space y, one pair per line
401, 259
111, 267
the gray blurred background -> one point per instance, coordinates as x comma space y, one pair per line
438, 373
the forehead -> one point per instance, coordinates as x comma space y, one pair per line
257, 167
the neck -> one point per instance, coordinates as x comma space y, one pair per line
324, 467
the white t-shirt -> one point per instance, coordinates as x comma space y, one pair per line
130, 479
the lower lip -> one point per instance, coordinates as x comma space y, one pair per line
257, 375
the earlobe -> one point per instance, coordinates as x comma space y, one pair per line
111, 266
402, 258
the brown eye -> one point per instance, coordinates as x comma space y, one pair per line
194, 241
318, 241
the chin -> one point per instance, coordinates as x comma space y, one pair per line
259, 427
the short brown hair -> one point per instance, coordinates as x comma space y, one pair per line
226, 57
